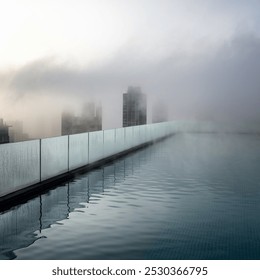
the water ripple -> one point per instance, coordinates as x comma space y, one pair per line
194, 196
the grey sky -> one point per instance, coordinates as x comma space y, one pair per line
202, 57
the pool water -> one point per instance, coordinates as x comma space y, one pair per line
192, 196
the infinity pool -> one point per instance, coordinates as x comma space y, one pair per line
192, 196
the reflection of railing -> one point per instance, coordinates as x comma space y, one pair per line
27, 163
23, 224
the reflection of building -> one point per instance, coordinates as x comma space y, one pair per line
160, 112
4, 135
16, 132
134, 107
90, 120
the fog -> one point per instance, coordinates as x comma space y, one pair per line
210, 75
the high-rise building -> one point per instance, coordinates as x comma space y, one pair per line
67, 123
134, 107
4, 133
90, 120
91, 117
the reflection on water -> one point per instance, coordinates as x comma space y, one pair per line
194, 196
23, 225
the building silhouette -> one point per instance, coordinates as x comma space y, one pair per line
134, 107
16, 133
89, 120
4, 133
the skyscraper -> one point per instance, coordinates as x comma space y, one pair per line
90, 120
91, 117
134, 107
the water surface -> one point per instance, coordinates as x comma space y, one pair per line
193, 196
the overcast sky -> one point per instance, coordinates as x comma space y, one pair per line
202, 57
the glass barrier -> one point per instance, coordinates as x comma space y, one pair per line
26, 163
120, 139
142, 134
19, 165
54, 156
136, 135
96, 139
129, 141
78, 150
109, 143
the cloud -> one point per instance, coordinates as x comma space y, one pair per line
217, 84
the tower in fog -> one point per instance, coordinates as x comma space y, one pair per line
134, 107
89, 120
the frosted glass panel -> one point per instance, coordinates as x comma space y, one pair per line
136, 135
158, 130
78, 150
142, 134
171, 127
147, 133
129, 139
95, 146
109, 142
19, 165
162, 130
120, 139
174, 126
54, 156
167, 128
153, 132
